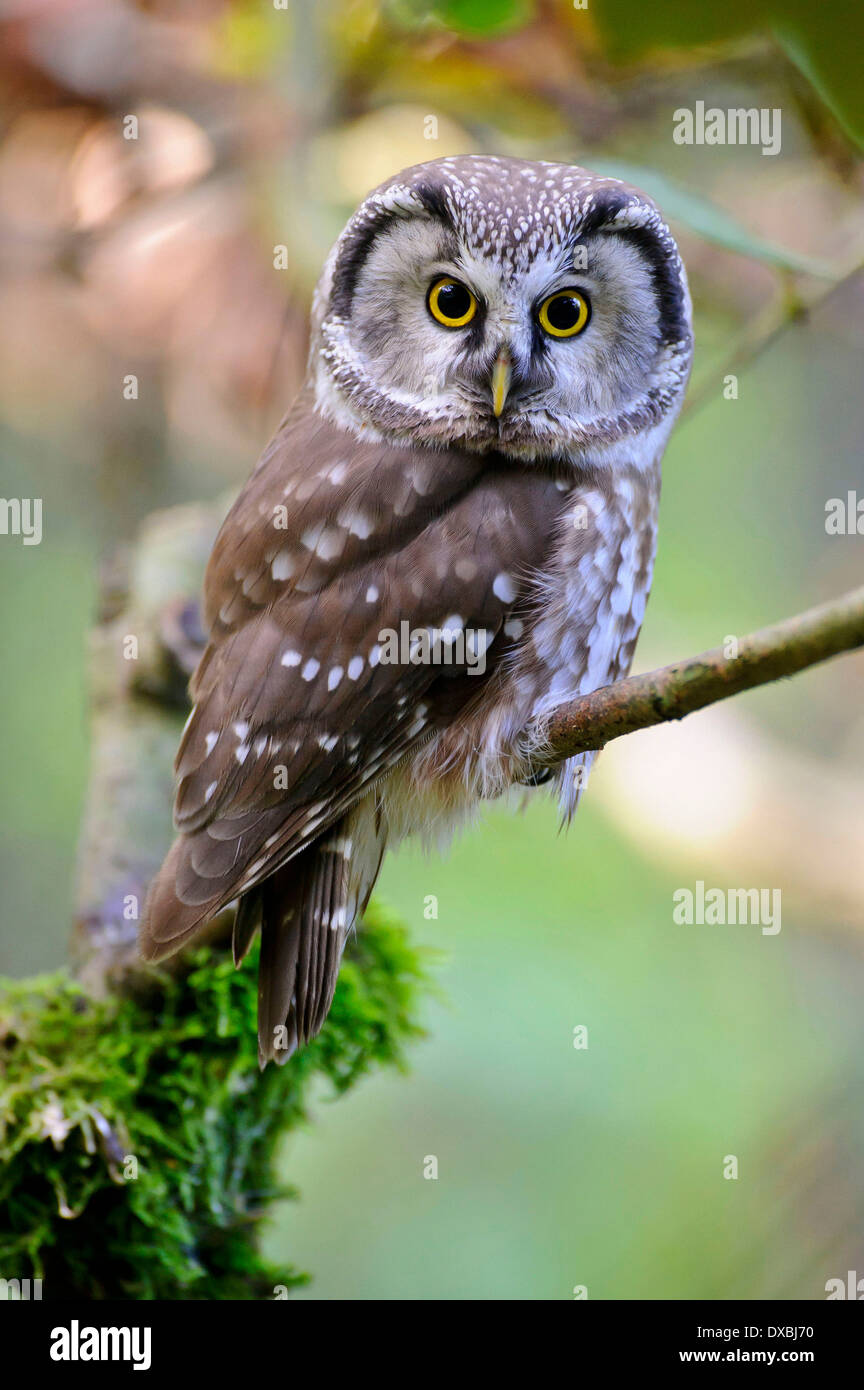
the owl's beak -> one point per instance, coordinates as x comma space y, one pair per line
502, 374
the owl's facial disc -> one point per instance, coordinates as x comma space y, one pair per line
496, 353
559, 329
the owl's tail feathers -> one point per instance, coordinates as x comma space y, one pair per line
306, 911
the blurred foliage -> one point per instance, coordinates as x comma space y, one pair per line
169, 1076
709, 221
471, 17
826, 40
560, 1167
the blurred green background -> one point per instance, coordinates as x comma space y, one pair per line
261, 127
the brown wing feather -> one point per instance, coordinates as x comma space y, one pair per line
295, 719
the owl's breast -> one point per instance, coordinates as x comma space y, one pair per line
592, 600
578, 628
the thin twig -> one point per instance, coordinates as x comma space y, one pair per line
671, 692
761, 335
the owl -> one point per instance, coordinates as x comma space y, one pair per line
452, 533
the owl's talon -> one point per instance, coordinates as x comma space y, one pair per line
539, 778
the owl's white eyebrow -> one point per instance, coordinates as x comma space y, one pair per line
570, 280
453, 267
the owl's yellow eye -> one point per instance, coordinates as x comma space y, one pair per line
565, 313
451, 303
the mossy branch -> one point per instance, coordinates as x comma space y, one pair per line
671, 692
138, 1140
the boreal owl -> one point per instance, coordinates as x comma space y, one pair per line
451, 533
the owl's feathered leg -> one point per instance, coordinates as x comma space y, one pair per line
306, 911
572, 778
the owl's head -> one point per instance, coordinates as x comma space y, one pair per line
532, 308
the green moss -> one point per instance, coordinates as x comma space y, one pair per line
166, 1084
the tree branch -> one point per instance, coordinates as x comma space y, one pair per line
671, 692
